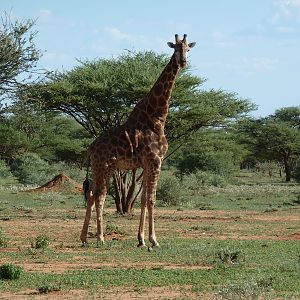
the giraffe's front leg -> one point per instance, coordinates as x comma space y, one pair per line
141, 236
151, 199
89, 209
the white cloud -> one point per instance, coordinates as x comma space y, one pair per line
44, 15
259, 63
285, 11
136, 41
221, 40
116, 33
243, 66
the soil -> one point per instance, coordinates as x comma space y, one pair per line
64, 234
60, 183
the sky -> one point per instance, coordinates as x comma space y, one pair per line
249, 47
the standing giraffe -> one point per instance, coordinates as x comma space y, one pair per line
140, 142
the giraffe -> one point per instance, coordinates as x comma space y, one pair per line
139, 143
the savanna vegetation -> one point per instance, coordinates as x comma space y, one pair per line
228, 197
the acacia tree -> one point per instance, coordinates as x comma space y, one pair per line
276, 137
18, 54
100, 94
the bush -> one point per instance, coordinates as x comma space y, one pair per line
3, 239
229, 255
10, 271
211, 179
29, 168
42, 242
48, 288
112, 228
169, 190
71, 170
199, 179
4, 170
296, 172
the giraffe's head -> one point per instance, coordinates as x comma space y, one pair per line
181, 48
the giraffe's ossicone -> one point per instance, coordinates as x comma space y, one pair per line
139, 143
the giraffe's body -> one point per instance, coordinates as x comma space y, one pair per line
139, 143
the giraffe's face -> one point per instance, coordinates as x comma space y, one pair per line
181, 48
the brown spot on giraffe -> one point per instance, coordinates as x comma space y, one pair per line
139, 142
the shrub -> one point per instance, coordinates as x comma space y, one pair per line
229, 255
71, 170
112, 228
41, 242
3, 239
10, 271
296, 172
169, 190
48, 288
199, 179
29, 168
4, 170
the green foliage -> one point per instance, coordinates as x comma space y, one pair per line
41, 242
215, 151
199, 179
296, 172
52, 136
29, 168
10, 271
18, 54
48, 288
169, 190
112, 228
276, 137
229, 255
3, 239
4, 169
100, 94
245, 290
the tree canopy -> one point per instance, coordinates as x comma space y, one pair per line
99, 95
18, 54
276, 137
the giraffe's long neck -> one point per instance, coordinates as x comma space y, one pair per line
152, 110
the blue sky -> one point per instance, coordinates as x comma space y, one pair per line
249, 47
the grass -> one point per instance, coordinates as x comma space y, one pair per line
229, 247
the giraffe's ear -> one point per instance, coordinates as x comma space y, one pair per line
171, 45
191, 45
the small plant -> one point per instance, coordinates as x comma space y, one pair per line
229, 255
47, 288
3, 239
41, 242
112, 228
246, 290
10, 271
297, 201
252, 289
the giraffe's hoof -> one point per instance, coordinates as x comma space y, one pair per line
141, 245
154, 248
85, 244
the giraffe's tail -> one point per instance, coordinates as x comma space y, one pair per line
87, 183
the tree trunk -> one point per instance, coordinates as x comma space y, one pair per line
287, 169
126, 190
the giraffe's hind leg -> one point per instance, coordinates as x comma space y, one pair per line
89, 209
153, 172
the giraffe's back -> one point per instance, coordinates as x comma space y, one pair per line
127, 148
